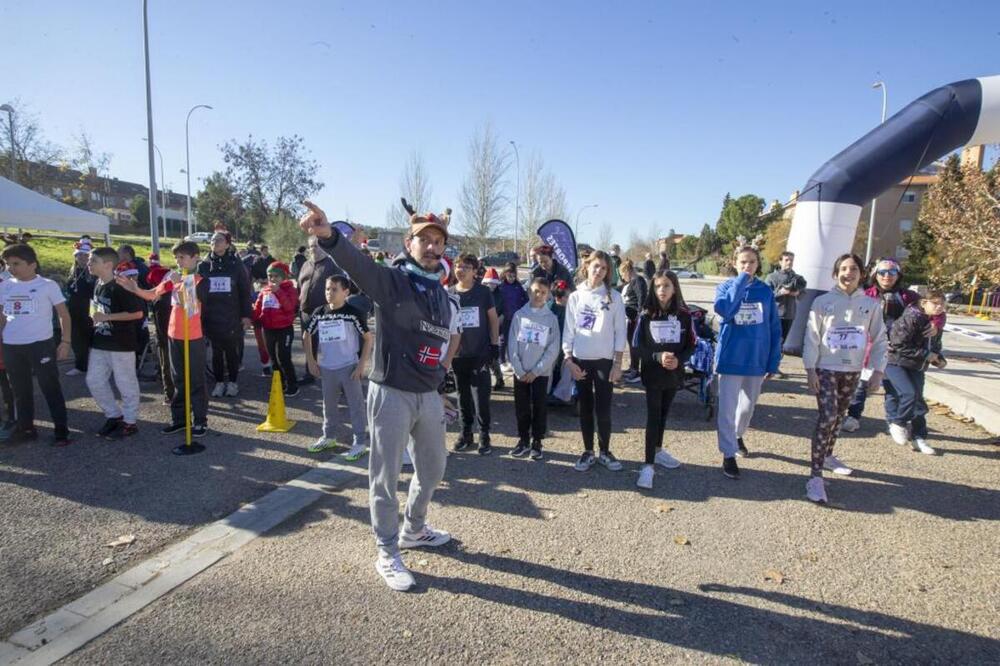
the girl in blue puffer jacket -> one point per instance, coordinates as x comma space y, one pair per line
749, 350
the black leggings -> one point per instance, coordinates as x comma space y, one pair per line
8, 397
474, 388
595, 394
226, 356
657, 406
38, 360
279, 346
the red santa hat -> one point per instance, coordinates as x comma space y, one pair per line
491, 276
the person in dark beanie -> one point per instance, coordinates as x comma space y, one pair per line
79, 291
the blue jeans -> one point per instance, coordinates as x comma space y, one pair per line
904, 398
858, 401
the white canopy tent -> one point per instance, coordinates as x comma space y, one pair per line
26, 209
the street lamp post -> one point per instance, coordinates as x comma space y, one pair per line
576, 227
871, 217
517, 195
10, 126
154, 232
163, 194
187, 158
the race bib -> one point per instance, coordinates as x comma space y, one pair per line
219, 285
533, 333
332, 330
19, 305
270, 301
586, 319
847, 338
750, 314
665, 332
469, 317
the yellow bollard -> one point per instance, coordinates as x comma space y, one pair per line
276, 420
982, 308
187, 291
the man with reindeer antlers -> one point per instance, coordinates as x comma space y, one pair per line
416, 336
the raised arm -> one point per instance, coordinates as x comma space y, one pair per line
729, 296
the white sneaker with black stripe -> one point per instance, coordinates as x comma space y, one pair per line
394, 573
428, 537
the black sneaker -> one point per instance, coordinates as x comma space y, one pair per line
307, 379
743, 452
521, 450
109, 427
585, 462
730, 468
22, 436
198, 431
291, 393
536, 451
60, 440
485, 448
172, 428
126, 430
265, 371
464, 442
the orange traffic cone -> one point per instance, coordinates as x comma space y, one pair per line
276, 419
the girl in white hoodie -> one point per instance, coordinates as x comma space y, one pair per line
594, 340
841, 322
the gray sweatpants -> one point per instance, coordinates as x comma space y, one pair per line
335, 381
102, 366
737, 397
393, 416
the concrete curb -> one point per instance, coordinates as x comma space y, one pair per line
985, 413
71, 627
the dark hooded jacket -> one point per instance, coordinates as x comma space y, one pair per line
229, 295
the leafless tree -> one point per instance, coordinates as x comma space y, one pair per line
32, 152
605, 236
415, 187
542, 197
483, 198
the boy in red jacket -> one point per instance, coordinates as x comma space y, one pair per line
275, 309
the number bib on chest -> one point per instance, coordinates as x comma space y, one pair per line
19, 305
220, 285
468, 317
665, 332
332, 330
750, 314
271, 302
848, 338
586, 318
533, 333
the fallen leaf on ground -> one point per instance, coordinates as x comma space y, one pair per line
577, 551
124, 540
581, 494
774, 575
675, 601
864, 659
407, 633
663, 508
681, 540
107, 561
422, 563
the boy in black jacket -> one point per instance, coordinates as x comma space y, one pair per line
910, 352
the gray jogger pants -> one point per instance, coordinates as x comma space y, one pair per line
335, 381
393, 416
103, 365
737, 397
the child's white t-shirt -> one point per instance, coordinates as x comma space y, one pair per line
28, 306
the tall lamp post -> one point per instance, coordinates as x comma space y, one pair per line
187, 159
517, 196
576, 227
163, 194
871, 217
10, 126
153, 231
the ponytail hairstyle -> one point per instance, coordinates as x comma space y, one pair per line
652, 307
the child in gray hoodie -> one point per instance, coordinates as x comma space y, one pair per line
532, 347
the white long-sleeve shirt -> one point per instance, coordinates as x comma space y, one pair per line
595, 324
840, 326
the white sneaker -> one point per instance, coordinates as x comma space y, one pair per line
900, 434
232, 389
73, 372
646, 477
664, 459
833, 464
924, 447
815, 490
426, 537
219, 390
850, 424
394, 573
407, 459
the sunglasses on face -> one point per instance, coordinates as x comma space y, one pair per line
891, 272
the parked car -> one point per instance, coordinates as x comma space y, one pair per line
691, 275
501, 258
199, 237
374, 245
451, 251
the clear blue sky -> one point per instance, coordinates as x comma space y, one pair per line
653, 110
